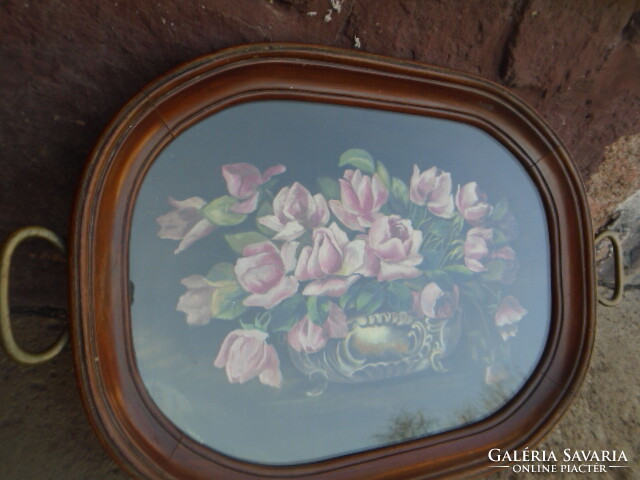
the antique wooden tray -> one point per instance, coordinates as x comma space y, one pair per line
303, 262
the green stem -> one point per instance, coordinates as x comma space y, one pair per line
426, 220
269, 194
495, 295
484, 320
262, 320
448, 242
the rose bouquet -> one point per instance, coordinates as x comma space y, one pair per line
306, 263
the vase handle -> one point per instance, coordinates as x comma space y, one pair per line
618, 287
6, 334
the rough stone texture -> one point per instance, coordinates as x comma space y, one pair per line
44, 431
67, 67
617, 178
627, 224
606, 413
72, 65
565, 60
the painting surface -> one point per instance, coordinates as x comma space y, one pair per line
315, 280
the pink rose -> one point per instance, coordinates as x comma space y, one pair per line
308, 337
472, 204
436, 303
335, 326
243, 180
196, 302
393, 247
332, 262
185, 223
362, 197
262, 271
245, 354
415, 303
433, 190
296, 211
509, 313
478, 248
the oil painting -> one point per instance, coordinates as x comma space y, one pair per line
358, 297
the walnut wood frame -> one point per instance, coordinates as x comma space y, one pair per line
129, 424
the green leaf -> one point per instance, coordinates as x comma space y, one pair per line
357, 158
287, 313
383, 173
237, 241
221, 272
399, 296
312, 310
373, 306
442, 278
457, 252
460, 269
264, 210
347, 300
500, 210
495, 270
399, 194
473, 291
499, 238
457, 224
271, 183
370, 299
226, 301
218, 212
364, 299
323, 306
329, 187
440, 228
432, 258
344, 300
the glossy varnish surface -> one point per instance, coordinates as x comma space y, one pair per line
129, 423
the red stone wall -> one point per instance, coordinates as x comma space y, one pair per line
67, 67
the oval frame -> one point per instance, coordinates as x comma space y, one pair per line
127, 421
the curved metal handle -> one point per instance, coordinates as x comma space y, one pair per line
6, 334
618, 287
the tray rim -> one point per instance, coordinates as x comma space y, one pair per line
127, 421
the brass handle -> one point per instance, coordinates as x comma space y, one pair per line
6, 334
618, 287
